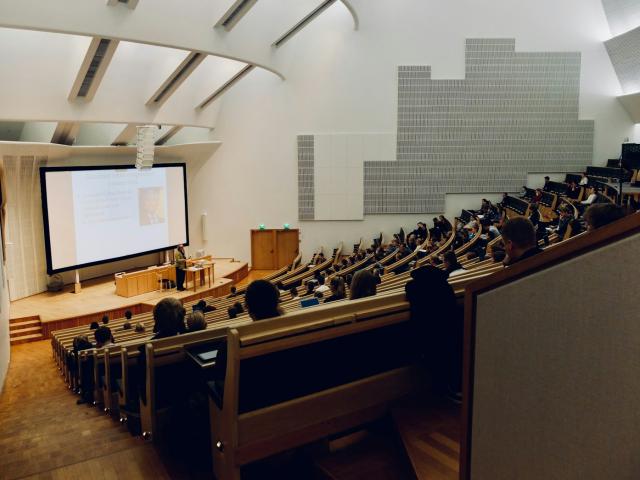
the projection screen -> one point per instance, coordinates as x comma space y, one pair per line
98, 214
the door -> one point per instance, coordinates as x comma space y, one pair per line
263, 248
287, 247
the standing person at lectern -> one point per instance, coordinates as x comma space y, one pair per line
181, 265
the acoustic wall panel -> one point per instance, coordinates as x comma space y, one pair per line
624, 51
623, 15
26, 265
305, 177
514, 113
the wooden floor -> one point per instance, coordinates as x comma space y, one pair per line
100, 295
45, 435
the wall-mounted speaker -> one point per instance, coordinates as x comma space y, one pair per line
203, 226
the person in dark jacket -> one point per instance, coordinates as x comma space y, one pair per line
437, 322
519, 238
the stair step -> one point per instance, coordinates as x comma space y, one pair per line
430, 435
13, 321
19, 331
26, 323
26, 338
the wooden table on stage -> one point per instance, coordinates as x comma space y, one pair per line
143, 281
206, 268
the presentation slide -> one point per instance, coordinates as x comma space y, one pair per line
98, 214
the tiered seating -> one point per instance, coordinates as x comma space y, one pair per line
256, 412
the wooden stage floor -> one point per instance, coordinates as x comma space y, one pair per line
99, 295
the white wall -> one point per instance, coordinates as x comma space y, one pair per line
340, 80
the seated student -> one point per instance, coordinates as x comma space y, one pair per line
196, 321
139, 328
593, 196
168, 316
445, 225
584, 180
262, 299
127, 323
546, 186
565, 216
239, 308
573, 190
498, 254
363, 285
337, 290
103, 337
602, 214
294, 293
576, 227
233, 292
537, 197
451, 265
85, 389
231, 311
203, 307
538, 224
438, 326
519, 238
411, 242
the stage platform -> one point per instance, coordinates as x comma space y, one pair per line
98, 297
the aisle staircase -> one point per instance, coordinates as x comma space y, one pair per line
25, 329
420, 442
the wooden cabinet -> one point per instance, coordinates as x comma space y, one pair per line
273, 249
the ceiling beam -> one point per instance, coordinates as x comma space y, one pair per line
235, 13
179, 75
65, 133
315, 13
168, 135
95, 64
126, 136
226, 86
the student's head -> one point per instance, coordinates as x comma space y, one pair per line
105, 319
94, 326
139, 327
546, 179
126, 325
450, 259
518, 236
363, 284
498, 254
103, 336
128, 314
168, 315
201, 306
294, 292
231, 311
81, 342
602, 214
318, 294
196, 321
239, 308
337, 287
233, 289
262, 299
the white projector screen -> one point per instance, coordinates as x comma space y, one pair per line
95, 215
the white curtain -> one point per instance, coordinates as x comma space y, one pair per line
26, 260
